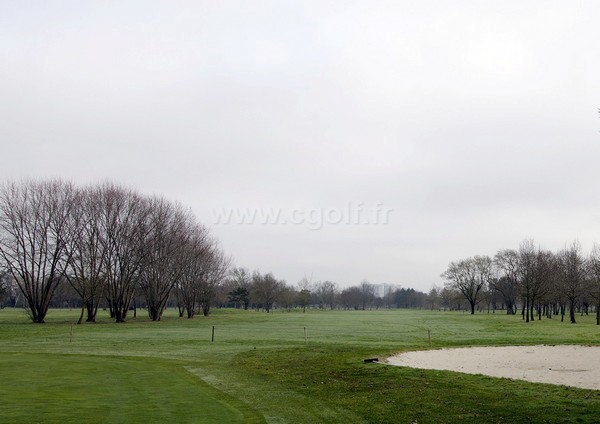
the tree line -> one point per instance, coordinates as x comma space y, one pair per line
245, 289
109, 244
543, 283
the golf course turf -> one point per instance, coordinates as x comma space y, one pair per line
260, 368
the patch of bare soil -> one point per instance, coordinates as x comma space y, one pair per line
569, 365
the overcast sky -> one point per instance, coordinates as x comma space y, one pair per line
468, 125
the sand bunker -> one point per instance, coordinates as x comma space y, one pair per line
569, 365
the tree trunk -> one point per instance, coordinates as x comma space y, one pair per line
39, 316
531, 312
79, 321
154, 314
96, 309
111, 308
119, 316
91, 312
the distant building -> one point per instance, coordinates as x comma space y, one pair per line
382, 290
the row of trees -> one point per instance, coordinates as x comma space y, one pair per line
542, 282
255, 290
245, 289
110, 244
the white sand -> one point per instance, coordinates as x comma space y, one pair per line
569, 365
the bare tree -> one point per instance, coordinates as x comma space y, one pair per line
169, 229
13, 293
543, 283
215, 266
287, 297
194, 255
351, 297
469, 277
528, 275
88, 252
535, 270
507, 262
367, 294
326, 292
33, 236
573, 269
124, 221
594, 278
265, 289
4, 287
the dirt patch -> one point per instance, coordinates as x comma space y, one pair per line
569, 365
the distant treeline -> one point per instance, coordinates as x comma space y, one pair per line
243, 289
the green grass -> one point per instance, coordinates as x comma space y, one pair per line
69, 388
259, 369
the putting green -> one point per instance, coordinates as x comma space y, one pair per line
99, 389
